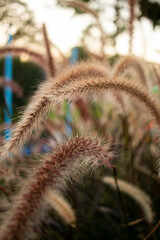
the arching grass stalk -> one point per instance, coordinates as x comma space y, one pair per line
17, 51
137, 194
16, 88
41, 103
135, 64
97, 85
61, 207
70, 86
65, 164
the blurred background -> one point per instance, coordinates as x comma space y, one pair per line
68, 27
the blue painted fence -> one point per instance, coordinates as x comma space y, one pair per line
73, 60
8, 74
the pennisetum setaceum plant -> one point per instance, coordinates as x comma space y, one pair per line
71, 85
57, 167
37, 181
67, 161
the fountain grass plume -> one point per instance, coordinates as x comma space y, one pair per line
65, 163
80, 71
137, 194
61, 207
17, 51
121, 67
78, 81
51, 67
41, 103
16, 88
98, 85
31, 118
135, 64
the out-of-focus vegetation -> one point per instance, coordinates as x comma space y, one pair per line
20, 19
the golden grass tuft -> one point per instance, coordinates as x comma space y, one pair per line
137, 194
61, 207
